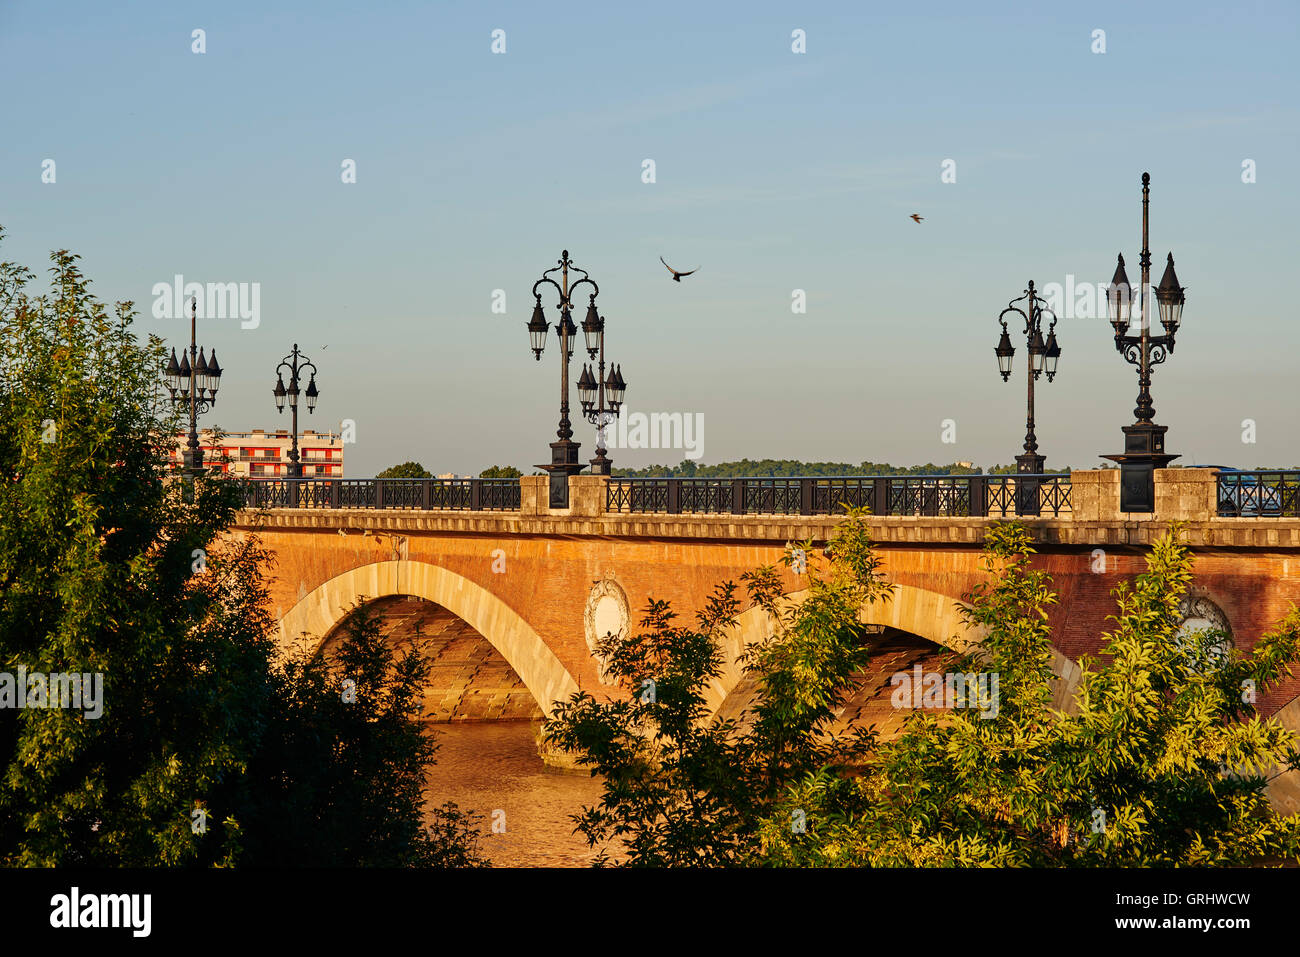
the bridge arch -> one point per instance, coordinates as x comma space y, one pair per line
924, 613
927, 614
320, 610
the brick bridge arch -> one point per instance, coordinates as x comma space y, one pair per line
523, 648
918, 611
551, 559
927, 614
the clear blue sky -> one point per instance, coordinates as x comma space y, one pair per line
775, 171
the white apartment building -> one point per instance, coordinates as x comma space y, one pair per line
261, 454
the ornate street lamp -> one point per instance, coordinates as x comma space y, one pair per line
1043, 357
295, 367
193, 384
1144, 441
564, 453
593, 389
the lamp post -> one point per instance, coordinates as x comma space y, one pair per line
193, 383
592, 389
564, 453
1043, 357
1144, 441
292, 363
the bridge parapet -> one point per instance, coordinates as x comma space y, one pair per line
1084, 512
426, 494
918, 495
1182, 495
1117, 531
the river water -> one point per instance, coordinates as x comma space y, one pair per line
494, 766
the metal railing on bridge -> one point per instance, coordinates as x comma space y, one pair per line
933, 495
1263, 493
426, 494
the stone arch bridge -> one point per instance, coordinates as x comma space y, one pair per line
539, 584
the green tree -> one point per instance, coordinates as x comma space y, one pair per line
500, 471
683, 790
1164, 762
340, 776
1014, 469
107, 568
411, 470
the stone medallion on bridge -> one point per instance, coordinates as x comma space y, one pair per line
606, 615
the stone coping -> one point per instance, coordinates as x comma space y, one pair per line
894, 529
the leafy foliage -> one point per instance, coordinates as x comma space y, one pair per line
1161, 759
1163, 763
107, 566
343, 767
500, 471
406, 470
682, 790
96, 565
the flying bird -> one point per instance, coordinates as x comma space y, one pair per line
917, 216
677, 276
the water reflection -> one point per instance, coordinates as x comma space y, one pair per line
494, 766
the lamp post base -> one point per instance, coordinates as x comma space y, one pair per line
564, 462
1028, 465
192, 462
1030, 462
1144, 452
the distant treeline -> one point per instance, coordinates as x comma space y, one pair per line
790, 468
